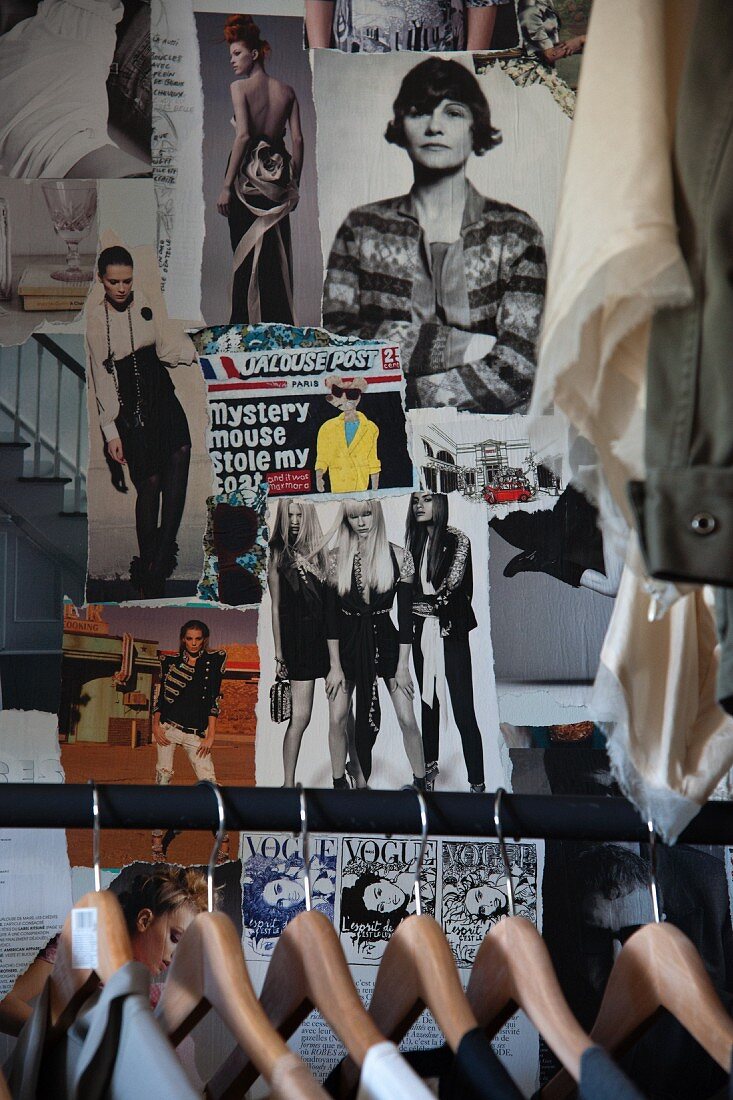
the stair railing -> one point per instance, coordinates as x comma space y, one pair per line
53, 418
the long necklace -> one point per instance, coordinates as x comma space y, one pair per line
137, 415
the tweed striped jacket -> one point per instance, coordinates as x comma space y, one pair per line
372, 290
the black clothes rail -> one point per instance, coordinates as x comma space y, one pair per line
267, 809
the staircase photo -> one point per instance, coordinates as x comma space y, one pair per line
43, 520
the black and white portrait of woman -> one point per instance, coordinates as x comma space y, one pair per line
452, 263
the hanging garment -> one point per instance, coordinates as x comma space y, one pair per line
114, 1050
685, 504
615, 258
386, 1075
476, 1073
655, 697
727, 1092
601, 1078
473, 1073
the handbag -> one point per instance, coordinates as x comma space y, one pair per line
281, 698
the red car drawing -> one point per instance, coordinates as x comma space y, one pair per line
510, 490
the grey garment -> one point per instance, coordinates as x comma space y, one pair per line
685, 507
724, 622
114, 1050
439, 290
601, 1079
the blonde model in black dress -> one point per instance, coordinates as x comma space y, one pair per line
296, 579
366, 575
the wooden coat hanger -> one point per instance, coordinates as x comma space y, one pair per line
417, 971
512, 969
208, 971
307, 970
657, 967
71, 985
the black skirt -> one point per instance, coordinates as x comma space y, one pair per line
148, 447
274, 301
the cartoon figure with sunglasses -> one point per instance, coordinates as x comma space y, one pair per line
347, 444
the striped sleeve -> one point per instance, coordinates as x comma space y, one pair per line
513, 359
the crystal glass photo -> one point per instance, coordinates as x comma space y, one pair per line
72, 205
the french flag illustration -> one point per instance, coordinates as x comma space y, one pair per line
221, 369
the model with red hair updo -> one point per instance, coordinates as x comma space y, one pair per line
261, 180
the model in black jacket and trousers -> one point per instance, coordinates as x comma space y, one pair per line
442, 605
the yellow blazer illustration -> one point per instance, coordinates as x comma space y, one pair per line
354, 466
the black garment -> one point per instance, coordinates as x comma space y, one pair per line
302, 621
453, 584
477, 1074
148, 448
727, 1092
369, 647
453, 606
237, 586
601, 1079
562, 542
474, 1073
273, 295
189, 694
459, 678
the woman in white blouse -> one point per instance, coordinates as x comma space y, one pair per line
131, 345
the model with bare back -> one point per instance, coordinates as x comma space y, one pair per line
261, 182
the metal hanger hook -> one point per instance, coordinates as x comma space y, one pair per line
500, 792
421, 853
653, 883
305, 840
96, 838
217, 842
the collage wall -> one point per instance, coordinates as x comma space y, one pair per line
268, 486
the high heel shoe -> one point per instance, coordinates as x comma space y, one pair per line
353, 773
431, 774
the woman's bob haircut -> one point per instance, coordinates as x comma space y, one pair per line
427, 85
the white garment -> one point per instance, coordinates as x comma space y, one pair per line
385, 1075
670, 742
150, 326
615, 259
431, 645
53, 95
203, 766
